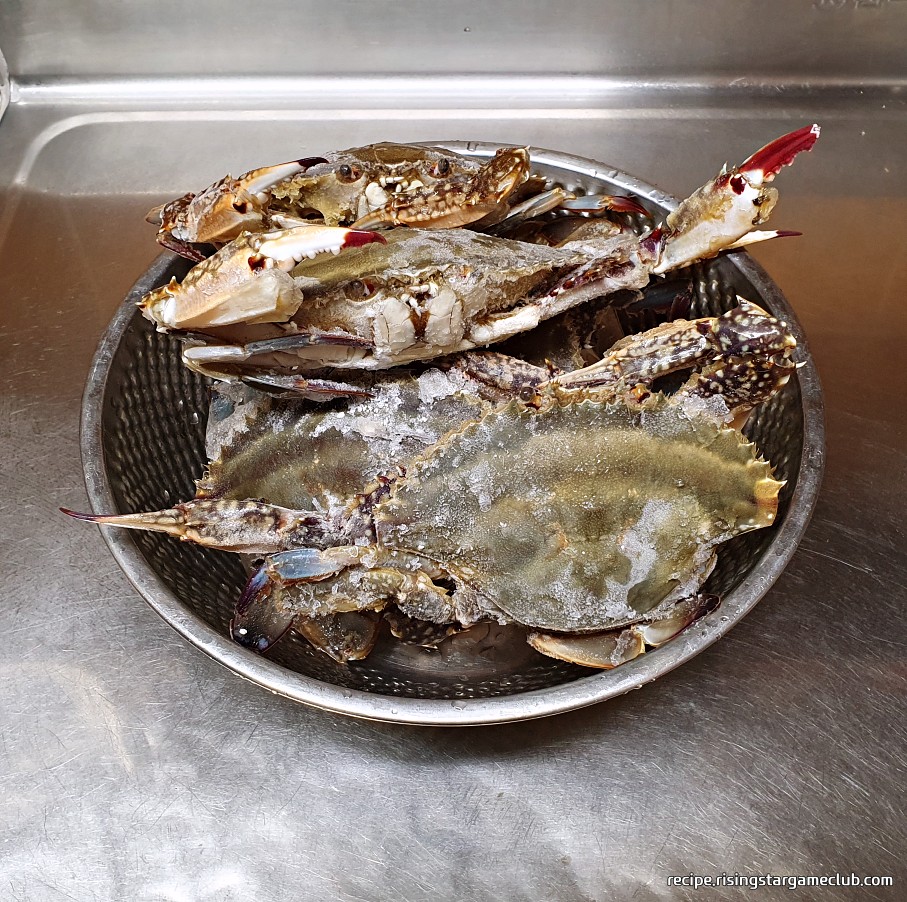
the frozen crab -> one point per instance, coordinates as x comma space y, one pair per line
419, 294
367, 187
586, 506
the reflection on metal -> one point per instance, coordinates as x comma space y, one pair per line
748, 40
4, 85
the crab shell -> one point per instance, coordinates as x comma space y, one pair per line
353, 183
422, 295
598, 515
315, 456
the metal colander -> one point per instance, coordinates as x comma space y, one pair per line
143, 432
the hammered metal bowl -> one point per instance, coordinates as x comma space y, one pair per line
143, 426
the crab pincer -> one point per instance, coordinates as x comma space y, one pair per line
722, 213
221, 211
248, 281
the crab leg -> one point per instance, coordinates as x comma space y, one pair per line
248, 527
599, 203
248, 280
724, 210
456, 201
298, 387
747, 331
560, 199
276, 598
206, 359
529, 209
615, 647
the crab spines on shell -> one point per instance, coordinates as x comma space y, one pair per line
248, 527
247, 281
557, 534
720, 213
458, 200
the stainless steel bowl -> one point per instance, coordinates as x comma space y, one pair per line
143, 422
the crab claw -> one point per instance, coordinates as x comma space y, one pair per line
291, 386
260, 619
615, 647
746, 352
258, 622
223, 210
457, 201
248, 527
767, 162
748, 330
247, 281
722, 213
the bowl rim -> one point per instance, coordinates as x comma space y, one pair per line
579, 693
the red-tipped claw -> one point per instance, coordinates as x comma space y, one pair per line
770, 159
723, 212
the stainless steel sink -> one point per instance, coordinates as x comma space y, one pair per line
137, 768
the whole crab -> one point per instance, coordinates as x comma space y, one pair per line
367, 187
259, 306
584, 506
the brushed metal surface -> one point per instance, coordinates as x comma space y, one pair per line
746, 41
4, 84
136, 768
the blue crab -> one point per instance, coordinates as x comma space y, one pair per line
367, 187
585, 506
415, 294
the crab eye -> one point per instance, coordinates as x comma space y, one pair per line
361, 289
441, 168
348, 173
